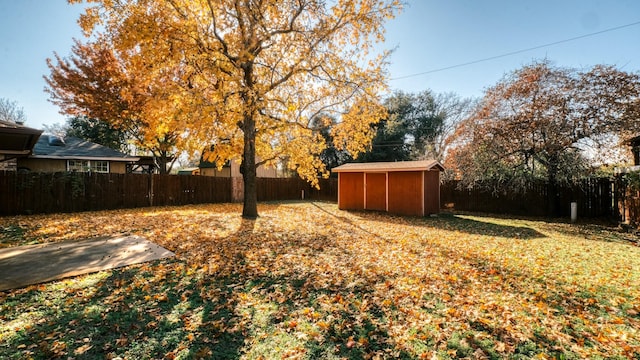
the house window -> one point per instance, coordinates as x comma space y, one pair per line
100, 166
78, 165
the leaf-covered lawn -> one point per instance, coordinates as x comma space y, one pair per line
306, 280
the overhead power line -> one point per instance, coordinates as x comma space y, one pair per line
517, 51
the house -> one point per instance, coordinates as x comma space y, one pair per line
16, 140
403, 188
189, 171
55, 154
232, 169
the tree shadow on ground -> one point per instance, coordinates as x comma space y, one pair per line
478, 227
569, 302
605, 229
261, 299
148, 311
173, 308
161, 309
595, 229
445, 221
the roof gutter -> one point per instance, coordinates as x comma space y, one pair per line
127, 159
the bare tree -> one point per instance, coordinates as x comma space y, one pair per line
417, 126
11, 112
535, 123
453, 109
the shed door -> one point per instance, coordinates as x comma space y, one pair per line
351, 188
376, 191
405, 193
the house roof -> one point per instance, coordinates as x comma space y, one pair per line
187, 170
212, 165
16, 139
53, 147
421, 165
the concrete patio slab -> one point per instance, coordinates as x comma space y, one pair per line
33, 264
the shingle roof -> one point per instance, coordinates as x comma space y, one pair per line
420, 165
75, 148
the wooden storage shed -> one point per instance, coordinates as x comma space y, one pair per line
403, 188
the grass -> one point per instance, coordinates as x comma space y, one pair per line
306, 280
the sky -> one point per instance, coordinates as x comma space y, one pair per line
459, 46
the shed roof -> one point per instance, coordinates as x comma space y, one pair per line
420, 165
51, 147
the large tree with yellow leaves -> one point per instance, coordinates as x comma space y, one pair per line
248, 76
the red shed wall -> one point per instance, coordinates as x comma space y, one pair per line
431, 192
405, 193
351, 191
376, 191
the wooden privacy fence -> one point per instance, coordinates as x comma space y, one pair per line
32, 193
595, 197
274, 189
70, 192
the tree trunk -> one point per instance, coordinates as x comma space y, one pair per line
248, 167
161, 162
